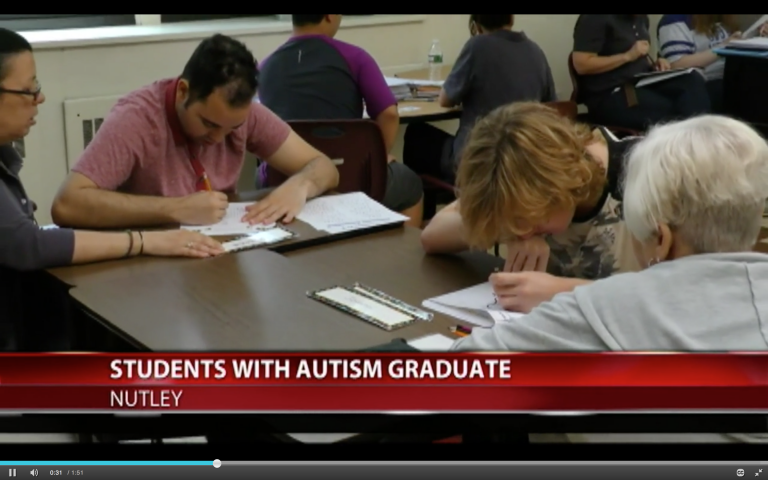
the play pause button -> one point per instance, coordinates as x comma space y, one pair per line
11, 472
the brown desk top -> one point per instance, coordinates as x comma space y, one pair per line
256, 300
77, 275
422, 110
425, 111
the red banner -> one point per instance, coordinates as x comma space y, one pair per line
383, 382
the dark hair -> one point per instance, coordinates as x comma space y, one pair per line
307, 19
11, 44
492, 22
221, 61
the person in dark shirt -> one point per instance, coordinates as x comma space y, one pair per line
314, 76
495, 67
608, 52
25, 248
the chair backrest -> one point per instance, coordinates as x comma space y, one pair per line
574, 80
355, 146
566, 108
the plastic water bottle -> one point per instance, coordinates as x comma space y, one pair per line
435, 59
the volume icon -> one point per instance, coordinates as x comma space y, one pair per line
33, 472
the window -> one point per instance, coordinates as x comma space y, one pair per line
25, 22
196, 18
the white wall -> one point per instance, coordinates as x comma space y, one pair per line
86, 65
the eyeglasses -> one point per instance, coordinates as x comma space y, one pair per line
35, 94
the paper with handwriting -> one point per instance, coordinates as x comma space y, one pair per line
231, 224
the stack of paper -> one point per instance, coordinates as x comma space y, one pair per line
400, 88
411, 88
343, 213
476, 305
231, 224
758, 43
656, 77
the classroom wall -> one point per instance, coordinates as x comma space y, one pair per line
114, 68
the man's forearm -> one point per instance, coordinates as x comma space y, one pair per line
94, 208
318, 176
594, 64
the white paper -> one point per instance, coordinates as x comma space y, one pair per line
351, 211
366, 306
264, 237
432, 343
231, 224
756, 43
755, 27
476, 305
397, 83
656, 77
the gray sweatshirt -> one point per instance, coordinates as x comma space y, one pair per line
713, 302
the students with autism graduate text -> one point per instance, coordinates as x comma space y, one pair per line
495, 67
25, 248
172, 151
548, 188
608, 51
313, 76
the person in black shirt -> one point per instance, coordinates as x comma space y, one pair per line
608, 52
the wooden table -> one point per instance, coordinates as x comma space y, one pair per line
256, 300
422, 111
425, 111
306, 236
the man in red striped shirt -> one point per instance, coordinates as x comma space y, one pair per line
170, 152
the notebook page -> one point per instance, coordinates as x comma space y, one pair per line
350, 211
656, 77
231, 224
475, 304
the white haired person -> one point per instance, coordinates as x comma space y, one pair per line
693, 201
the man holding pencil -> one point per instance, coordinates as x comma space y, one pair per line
170, 152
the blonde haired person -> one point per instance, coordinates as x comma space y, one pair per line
693, 202
694, 197
549, 189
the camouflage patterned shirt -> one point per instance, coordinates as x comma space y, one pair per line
598, 245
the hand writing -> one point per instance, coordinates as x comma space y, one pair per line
201, 208
662, 65
285, 202
524, 291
